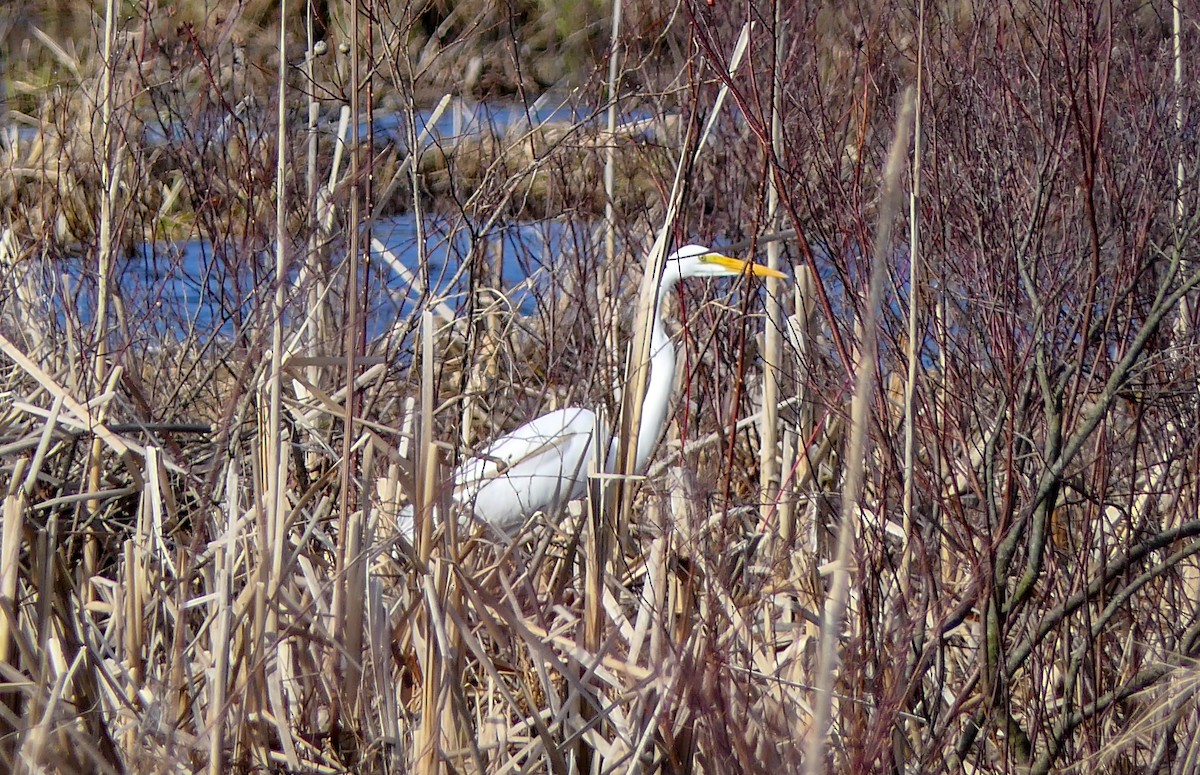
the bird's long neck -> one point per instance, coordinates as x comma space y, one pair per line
658, 386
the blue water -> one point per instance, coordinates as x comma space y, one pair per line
463, 118
177, 289
210, 288
202, 287
460, 119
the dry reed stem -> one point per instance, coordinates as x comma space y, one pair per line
702, 629
606, 285
31, 308
221, 617
915, 292
85, 416
772, 354
10, 547
849, 527
274, 463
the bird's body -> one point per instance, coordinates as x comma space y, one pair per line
544, 463
537, 467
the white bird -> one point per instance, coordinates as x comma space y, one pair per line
543, 464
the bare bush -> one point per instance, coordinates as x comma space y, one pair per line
238, 335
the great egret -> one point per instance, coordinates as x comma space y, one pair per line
543, 464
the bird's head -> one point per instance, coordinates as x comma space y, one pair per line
699, 261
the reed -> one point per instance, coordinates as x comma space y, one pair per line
927, 507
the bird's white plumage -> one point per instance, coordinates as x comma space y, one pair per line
539, 466
544, 463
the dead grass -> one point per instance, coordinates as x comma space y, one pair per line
199, 564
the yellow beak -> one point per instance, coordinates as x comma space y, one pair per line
738, 266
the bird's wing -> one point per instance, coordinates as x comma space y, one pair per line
537, 465
547, 437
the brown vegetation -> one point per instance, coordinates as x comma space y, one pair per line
940, 516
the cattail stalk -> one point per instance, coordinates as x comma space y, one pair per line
848, 528
772, 356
